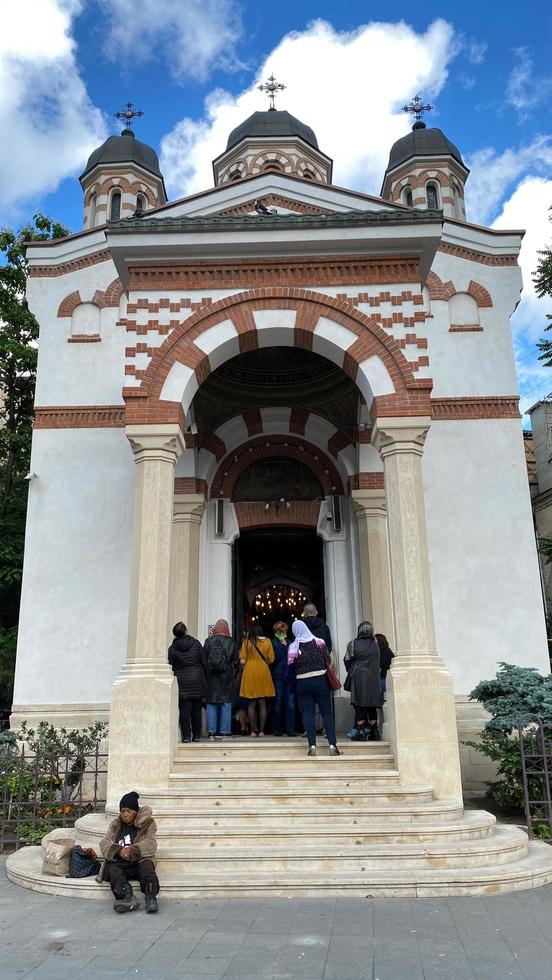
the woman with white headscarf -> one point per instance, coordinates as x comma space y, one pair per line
311, 657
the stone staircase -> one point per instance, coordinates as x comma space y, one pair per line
260, 818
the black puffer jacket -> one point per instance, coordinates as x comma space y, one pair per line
220, 686
320, 629
187, 659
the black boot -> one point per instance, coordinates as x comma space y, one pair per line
151, 902
373, 734
125, 902
360, 734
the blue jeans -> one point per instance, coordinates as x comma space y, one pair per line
285, 695
315, 692
221, 713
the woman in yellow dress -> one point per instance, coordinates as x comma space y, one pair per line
256, 655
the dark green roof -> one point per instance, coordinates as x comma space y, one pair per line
422, 142
124, 149
271, 123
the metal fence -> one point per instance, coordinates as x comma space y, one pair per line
42, 790
535, 745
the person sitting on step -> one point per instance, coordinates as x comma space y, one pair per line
128, 850
362, 660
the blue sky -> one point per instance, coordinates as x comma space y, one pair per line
193, 66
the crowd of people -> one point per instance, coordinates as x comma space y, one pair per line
277, 681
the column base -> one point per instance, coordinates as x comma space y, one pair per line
143, 728
421, 716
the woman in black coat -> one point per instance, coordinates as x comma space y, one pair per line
221, 653
188, 661
362, 661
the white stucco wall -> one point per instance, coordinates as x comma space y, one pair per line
484, 570
76, 580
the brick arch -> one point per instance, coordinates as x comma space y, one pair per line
481, 295
69, 303
264, 446
109, 296
439, 289
144, 402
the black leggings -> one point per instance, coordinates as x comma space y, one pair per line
190, 709
362, 713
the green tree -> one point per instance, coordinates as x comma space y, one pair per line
542, 279
18, 355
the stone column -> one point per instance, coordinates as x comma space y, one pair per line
143, 719
375, 577
184, 587
421, 708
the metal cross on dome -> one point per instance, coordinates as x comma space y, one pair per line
271, 87
128, 114
416, 108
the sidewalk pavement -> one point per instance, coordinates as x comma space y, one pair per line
493, 938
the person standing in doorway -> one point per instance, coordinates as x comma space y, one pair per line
188, 661
256, 656
283, 678
311, 657
318, 627
362, 660
221, 652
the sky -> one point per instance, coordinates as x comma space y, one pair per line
193, 67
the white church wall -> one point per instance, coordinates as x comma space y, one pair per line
485, 579
76, 581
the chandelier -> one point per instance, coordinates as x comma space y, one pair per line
278, 598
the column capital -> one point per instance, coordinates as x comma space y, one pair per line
188, 507
161, 442
400, 435
368, 503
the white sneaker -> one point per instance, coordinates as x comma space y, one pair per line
312, 750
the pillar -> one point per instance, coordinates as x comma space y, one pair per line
375, 578
421, 708
144, 706
184, 577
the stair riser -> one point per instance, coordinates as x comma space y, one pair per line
301, 866
254, 786
217, 804
259, 752
268, 769
302, 816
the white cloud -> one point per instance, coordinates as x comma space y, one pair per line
525, 90
191, 36
493, 174
47, 122
528, 207
348, 86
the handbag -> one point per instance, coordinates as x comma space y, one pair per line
83, 863
333, 679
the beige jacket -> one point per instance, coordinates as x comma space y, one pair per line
145, 843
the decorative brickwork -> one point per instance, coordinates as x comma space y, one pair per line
216, 446
292, 272
473, 256
79, 417
38, 271
481, 295
439, 289
465, 328
274, 200
253, 420
278, 445
475, 407
189, 484
298, 420
69, 304
109, 296
84, 338
299, 513
337, 442
366, 481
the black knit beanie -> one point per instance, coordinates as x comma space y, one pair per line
130, 801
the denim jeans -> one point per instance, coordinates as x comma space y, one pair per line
313, 692
222, 713
285, 696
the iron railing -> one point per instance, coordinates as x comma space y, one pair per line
535, 746
42, 790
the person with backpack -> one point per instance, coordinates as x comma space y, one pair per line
221, 654
362, 660
256, 656
187, 659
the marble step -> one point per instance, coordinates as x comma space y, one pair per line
187, 796
24, 867
273, 765
506, 845
241, 832
275, 748
253, 783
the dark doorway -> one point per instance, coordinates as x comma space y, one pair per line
284, 566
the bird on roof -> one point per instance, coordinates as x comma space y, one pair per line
261, 209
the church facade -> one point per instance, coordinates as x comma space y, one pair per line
276, 389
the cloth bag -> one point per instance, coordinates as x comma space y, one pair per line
83, 862
56, 856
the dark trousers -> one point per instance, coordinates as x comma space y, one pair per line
315, 692
361, 714
118, 872
190, 711
284, 697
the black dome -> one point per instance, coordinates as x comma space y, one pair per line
273, 122
124, 149
422, 142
